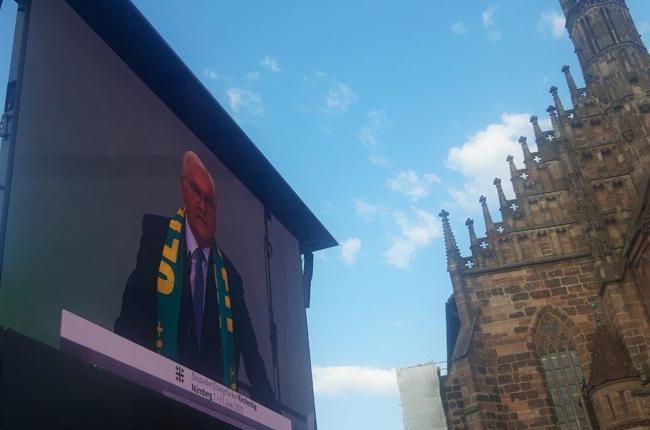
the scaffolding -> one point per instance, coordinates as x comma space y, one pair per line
419, 392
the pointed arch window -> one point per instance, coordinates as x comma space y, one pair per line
562, 373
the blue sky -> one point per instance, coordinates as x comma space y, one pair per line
379, 114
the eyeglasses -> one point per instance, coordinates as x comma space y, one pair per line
199, 196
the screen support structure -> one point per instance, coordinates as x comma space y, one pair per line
9, 119
307, 275
268, 253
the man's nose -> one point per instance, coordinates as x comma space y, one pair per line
202, 204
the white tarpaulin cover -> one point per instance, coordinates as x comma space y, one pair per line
419, 392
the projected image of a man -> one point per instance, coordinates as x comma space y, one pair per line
197, 187
185, 298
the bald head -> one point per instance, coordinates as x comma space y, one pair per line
191, 165
198, 189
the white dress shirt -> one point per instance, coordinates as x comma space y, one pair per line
190, 241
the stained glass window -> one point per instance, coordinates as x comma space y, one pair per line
563, 374
564, 379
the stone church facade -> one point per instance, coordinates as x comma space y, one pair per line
548, 325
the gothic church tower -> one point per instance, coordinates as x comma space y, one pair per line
613, 58
548, 325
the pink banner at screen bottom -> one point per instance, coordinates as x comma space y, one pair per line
103, 348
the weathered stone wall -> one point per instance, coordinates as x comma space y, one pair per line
508, 382
571, 252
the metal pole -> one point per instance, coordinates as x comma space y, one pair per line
10, 117
268, 253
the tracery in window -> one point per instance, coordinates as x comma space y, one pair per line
562, 373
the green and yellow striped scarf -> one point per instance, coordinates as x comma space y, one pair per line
170, 287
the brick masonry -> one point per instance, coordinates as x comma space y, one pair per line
570, 256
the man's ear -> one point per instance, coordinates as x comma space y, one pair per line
183, 191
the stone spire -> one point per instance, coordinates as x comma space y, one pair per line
557, 128
489, 224
472, 234
451, 247
556, 99
539, 135
503, 202
511, 164
573, 88
524, 148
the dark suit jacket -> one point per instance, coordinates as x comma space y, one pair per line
137, 320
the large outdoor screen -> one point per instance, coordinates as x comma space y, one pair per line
110, 195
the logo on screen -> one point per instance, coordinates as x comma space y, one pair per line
180, 373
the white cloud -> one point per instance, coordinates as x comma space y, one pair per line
340, 97
336, 380
458, 28
402, 325
211, 74
489, 24
416, 231
350, 249
245, 102
271, 64
466, 197
644, 27
322, 256
487, 17
253, 76
494, 35
551, 23
325, 129
412, 185
380, 161
376, 124
316, 76
365, 210
483, 157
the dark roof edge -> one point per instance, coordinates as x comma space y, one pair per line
128, 33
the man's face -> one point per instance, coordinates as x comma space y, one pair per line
198, 196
